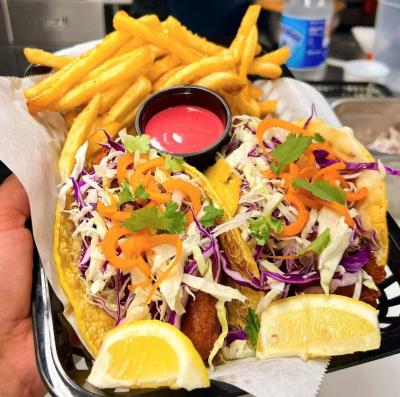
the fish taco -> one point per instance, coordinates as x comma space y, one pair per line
136, 238
315, 201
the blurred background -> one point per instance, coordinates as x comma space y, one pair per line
56, 24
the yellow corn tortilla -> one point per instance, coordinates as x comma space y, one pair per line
372, 209
93, 322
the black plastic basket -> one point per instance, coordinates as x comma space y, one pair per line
58, 350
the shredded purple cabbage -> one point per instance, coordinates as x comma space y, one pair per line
237, 277
235, 335
117, 279
370, 234
321, 158
111, 143
214, 247
231, 146
356, 260
257, 252
313, 113
77, 193
371, 166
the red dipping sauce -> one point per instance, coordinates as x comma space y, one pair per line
184, 129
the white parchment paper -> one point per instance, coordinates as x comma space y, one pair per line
30, 147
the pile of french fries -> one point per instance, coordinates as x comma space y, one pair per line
102, 89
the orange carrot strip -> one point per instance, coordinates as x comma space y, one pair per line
110, 244
188, 189
340, 209
270, 123
302, 217
362, 193
121, 216
123, 163
326, 170
269, 174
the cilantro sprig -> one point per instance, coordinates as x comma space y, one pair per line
289, 151
126, 196
211, 214
252, 327
171, 220
260, 228
322, 189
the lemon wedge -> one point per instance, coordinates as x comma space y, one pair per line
148, 354
317, 326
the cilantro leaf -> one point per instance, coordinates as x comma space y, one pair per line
139, 143
318, 138
171, 221
289, 151
252, 327
211, 213
259, 229
322, 189
275, 224
173, 164
140, 193
125, 195
177, 219
319, 244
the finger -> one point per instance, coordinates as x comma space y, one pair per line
14, 204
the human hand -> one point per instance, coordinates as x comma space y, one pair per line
18, 372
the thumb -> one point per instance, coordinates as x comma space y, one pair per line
14, 204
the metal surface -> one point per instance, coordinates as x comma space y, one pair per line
369, 118
56, 22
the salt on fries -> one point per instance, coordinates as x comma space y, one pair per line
103, 88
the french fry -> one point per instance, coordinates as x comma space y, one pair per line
110, 63
132, 97
127, 70
129, 119
278, 57
248, 21
266, 69
267, 107
247, 105
40, 57
158, 84
70, 117
109, 97
122, 21
98, 136
55, 86
225, 81
162, 66
248, 54
181, 33
230, 99
199, 69
132, 44
76, 136
255, 92
151, 20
